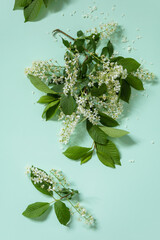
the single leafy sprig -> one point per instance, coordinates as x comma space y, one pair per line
31, 8
90, 87
55, 186
106, 150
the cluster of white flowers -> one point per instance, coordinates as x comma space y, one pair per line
40, 177
105, 30
108, 29
69, 124
89, 219
46, 71
85, 104
108, 76
71, 69
144, 74
60, 177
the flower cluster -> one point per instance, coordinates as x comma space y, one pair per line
60, 177
46, 71
144, 74
86, 108
108, 75
69, 125
45, 181
71, 70
105, 30
89, 220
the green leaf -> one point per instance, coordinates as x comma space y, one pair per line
58, 88
79, 42
112, 132
116, 59
88, 60
68, 104
21, 4
76, 152
84, 69
125, 92
104, 51
46, 2
62, 212
96, 133
107, 121
31, 11
99, 91
135, 82
36, 209
65, 43
113, 152
105, 158
50, 110
129, 63
86, 157
110, 149
110, 48
80, 33
91, 45
46, 99
44, 189
40, 85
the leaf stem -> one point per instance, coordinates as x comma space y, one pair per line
54, 198
93, 145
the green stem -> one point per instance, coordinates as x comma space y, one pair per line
52, 202
54, 198
93, 145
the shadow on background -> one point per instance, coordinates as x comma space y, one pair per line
53, 7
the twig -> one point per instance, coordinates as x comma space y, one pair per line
58, 30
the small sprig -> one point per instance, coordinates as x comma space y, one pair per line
56, 186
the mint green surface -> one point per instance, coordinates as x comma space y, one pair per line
125, 201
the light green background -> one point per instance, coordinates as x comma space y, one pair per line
125, 201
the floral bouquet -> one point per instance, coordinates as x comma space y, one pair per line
92, 86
